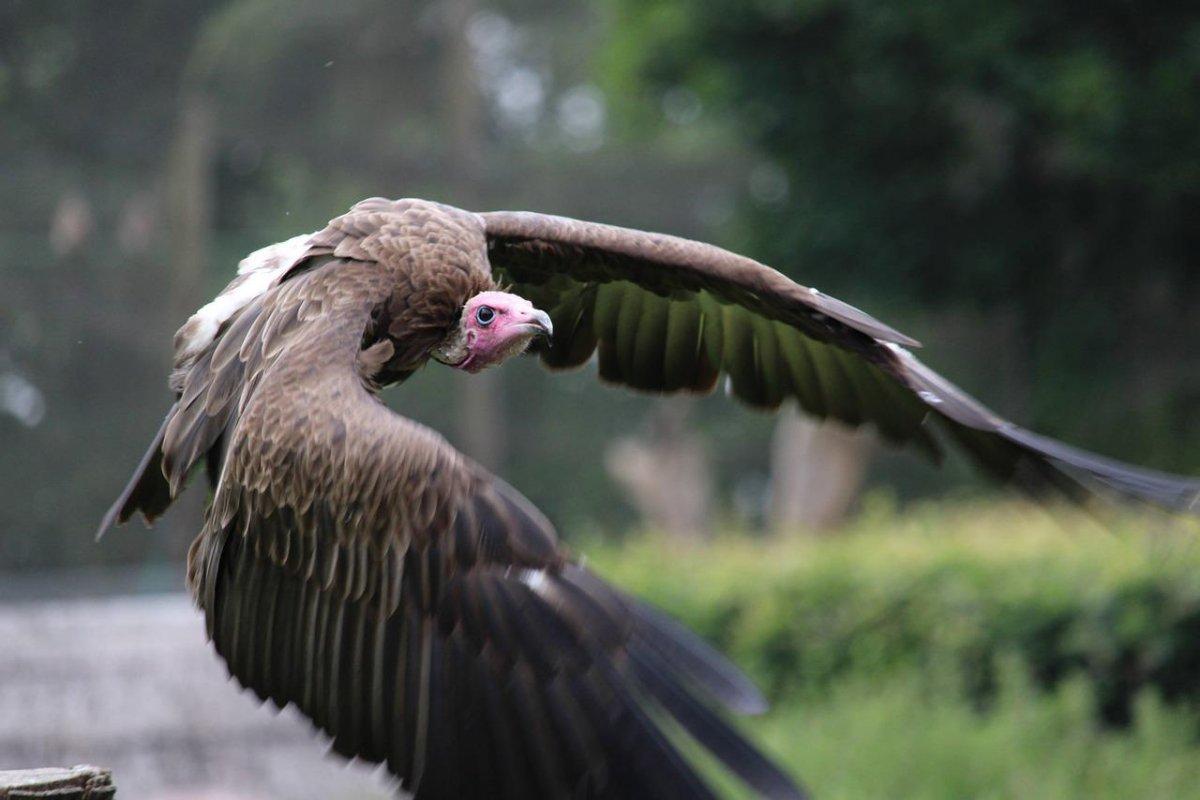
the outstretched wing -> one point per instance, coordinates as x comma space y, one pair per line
668, 314
423, 614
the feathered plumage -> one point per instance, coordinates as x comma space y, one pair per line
420, 610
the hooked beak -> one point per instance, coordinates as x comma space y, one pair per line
541, 324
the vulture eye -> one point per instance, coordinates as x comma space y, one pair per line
484, 315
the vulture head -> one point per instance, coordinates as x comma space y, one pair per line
494, 326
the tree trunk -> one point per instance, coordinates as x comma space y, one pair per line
666, 472
817, 469
189, 212
480, 404
190, 202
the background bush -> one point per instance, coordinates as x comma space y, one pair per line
954, 591
910, 734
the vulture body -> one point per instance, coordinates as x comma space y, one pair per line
417, 608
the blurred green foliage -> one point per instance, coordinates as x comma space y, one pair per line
911, 735
1034, 163
943, 589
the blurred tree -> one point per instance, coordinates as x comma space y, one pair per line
147, 148
665, 471
1035, 164
983, 162
817, 471
88, 96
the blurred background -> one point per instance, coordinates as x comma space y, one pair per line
1016, 184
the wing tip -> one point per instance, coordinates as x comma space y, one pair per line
1091, 473
107, 522
1170, 492
117, 516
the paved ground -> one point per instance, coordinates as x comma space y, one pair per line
130, 683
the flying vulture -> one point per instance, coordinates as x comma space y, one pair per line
417, 608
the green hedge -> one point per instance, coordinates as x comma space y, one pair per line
932, 587
912, 736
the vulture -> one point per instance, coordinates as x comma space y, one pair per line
417, 608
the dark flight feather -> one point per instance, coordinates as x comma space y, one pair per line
775, 339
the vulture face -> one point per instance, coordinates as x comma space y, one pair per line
495, 326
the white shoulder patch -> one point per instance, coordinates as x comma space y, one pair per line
257, 273
277, 255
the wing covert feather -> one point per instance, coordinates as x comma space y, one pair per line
496, 649
774, 340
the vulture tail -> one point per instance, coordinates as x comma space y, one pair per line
147, 491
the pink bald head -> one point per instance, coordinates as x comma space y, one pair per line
496, 326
